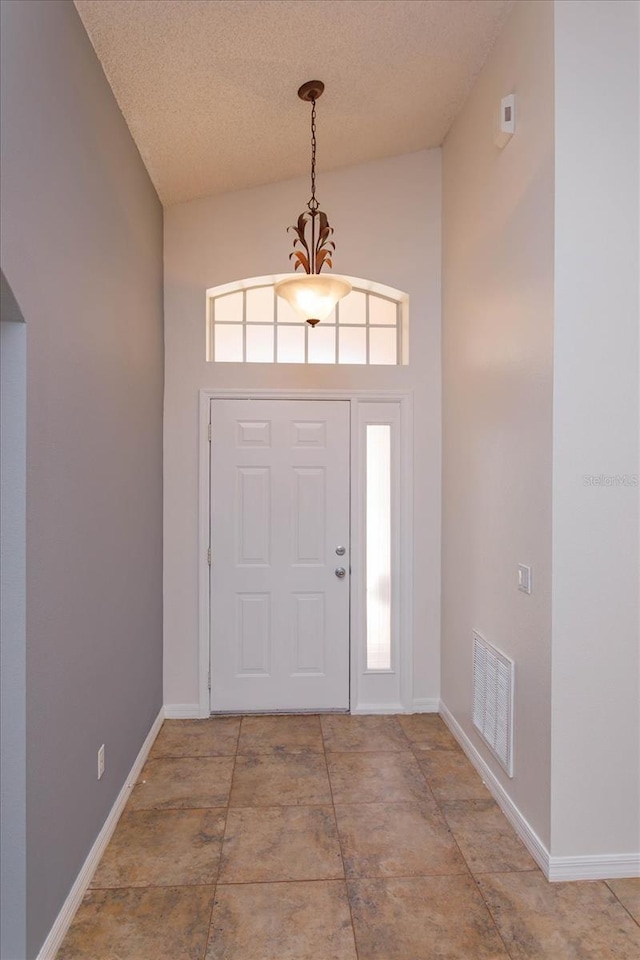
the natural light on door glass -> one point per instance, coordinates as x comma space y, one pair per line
228, 342
253, 325
382, 345
259, 344
322, 345
260, 305
228, 309
352, 345
291, 345
382, 311
353, 309
378, 552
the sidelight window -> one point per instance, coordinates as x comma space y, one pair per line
378, 549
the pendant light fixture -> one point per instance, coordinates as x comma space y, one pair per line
312, 296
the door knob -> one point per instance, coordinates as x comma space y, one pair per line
341, 551
340, 573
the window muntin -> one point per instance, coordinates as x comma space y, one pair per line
253, 325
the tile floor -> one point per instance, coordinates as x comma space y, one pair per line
331, 838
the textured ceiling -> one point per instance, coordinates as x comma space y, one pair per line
208, 87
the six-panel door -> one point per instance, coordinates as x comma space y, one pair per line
279, 512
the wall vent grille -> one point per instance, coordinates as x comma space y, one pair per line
493, 683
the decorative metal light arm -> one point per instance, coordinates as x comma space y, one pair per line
318, 253
314, 299
312, 258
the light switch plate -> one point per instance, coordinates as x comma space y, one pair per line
524, 578
506, 121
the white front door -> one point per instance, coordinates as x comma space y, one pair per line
279, 524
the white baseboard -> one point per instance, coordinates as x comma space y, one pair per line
59, 929
426, 705
183, 711
525, 831
191, 711
378, 708
418, 705
597, 867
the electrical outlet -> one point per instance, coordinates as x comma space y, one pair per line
100, 762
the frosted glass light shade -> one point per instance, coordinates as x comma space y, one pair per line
313, 296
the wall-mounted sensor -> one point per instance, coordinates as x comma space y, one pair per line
506, 126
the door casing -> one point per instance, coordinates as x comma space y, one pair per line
361, 701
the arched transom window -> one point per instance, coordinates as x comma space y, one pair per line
248, 323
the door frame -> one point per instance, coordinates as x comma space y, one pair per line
360, 697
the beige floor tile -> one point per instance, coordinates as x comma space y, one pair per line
426, 731
423, 918
157, 923
183, 783
288, 734
487, 840
281, 893
450, 776
213, 737
163, 848
628, 893
563, 921
280, 780
346, 734
376, 778
396, 840
281, 843
281, 921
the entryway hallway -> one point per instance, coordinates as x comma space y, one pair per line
331, 837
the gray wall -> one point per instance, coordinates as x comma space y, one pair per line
497, 370
596, 570
82, 251
540, 417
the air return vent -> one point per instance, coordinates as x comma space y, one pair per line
493, 676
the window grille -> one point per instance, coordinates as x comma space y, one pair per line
250, 324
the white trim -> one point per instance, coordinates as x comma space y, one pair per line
525, 831
237, 393
383, 690
183, 711
417, 705
370, 286
405, 520
405, 399
363, 708
62, 922
425, 705
204, 570
597, 867
600, 867
357, 554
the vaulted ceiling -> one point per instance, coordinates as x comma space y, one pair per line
208, 87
